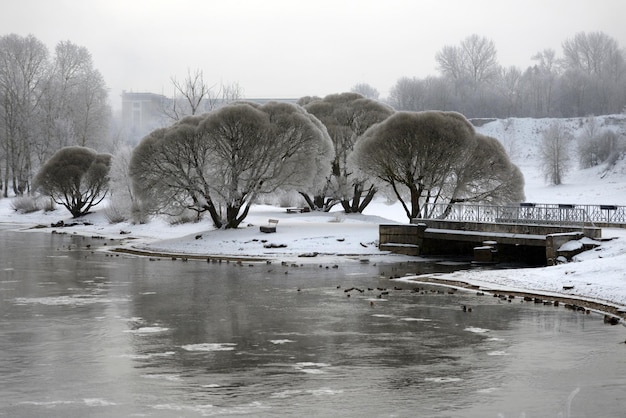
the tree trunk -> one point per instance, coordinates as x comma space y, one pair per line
215, 216
399, 196
415, 202
368, 198
319, 203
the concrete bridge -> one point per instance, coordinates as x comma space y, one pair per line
502, 238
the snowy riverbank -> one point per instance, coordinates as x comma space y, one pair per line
599, 274
330, 238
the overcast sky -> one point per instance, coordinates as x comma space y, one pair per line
291, 48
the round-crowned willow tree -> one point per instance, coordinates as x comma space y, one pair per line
221, 161
75, 177
346, 117
435, 157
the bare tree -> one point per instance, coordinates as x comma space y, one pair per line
554, 153
450, 62
75, 101
365, 90
23, 74
221, 161
470, 68
75, 177
194, 96
510, 88
191, 91
475, 59
539, 83
594, 65
593, 53
408, 94
346, 117
416, 95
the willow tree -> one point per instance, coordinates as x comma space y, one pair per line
486, 176
75, 177
433, 157
346, 117
221, 161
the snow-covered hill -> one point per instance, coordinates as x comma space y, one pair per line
596, 185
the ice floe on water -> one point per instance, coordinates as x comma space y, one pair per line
74, 300
168, 377
198, 409
210, 410
497, 353
278, 342
495, 339
98, 402
310, 367
302, 392
416, 319
487, 390
94, 402
476, 330
382, 316
147, 330
444, 379
147, 356
47, 403
210, 347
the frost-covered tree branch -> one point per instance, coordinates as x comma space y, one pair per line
221, 161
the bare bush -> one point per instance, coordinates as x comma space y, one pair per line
48, 205
186, 217
118, 210
25, 204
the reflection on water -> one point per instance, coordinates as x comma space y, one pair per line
83, 333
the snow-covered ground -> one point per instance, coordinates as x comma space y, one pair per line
335, 237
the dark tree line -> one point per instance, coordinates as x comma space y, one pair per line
589, 77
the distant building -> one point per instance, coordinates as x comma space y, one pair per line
142, 113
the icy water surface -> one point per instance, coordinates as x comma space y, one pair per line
86, 334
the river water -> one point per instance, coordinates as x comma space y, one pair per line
84, 333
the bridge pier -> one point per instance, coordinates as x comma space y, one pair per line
534, 244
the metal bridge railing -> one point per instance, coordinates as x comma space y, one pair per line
532, 213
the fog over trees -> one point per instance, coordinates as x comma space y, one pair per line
589, 77
46, 104
220, 153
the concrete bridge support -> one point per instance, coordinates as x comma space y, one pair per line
485, 242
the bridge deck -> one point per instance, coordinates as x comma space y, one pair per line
479, 236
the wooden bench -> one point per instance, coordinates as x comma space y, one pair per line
270, 227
